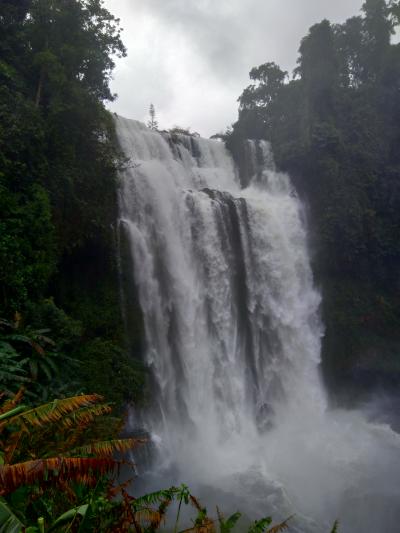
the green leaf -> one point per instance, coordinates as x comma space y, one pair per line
9, 522
17, 337
228, 524
52, 368
69, 516
259, 526
156, 497
33, 366
7, 350
13, 412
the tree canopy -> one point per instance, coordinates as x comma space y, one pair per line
58, 165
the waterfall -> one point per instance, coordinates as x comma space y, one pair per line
233, 338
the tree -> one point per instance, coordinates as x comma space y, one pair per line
394, 9
318, 67
72, 45
256, 103
59, 162
335, 128
269, 80
152, 123
349, 38
59, 166
378, 29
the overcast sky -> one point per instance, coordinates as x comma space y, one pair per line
191, 58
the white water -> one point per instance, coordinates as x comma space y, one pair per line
233, 341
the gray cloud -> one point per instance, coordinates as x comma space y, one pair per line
191, 58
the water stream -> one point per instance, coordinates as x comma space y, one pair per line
233, 338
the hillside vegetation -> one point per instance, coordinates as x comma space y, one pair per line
335, 127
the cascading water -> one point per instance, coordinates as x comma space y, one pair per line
233, 342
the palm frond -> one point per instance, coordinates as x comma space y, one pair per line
18, 337
9, 522
114, 490
11, 366
85, 415
10, 411
153, 498
259, 526
50, 363
195, 502
207, 526
64, 469
226, 525
13, 376
280, 527
11, 446
6, 324
109, 447
54, 411
163, 507
89, 479
148, 517
69, 516
38, 335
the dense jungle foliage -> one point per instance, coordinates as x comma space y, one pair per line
65, 468
58, 472
59, 163
61, 332
335, 127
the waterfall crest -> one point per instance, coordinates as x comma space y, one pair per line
233, 334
